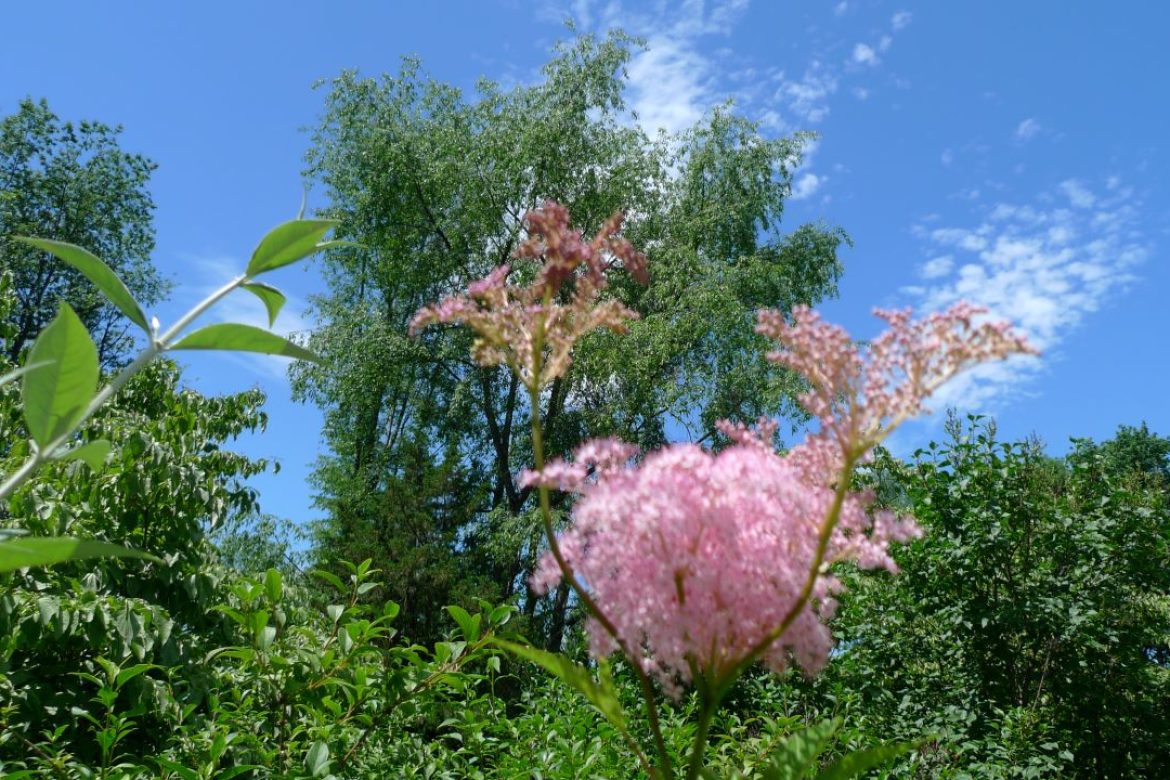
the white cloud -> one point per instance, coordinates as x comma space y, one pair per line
669, 85
1043, 266
671, 82
861, 93
841, 8
865, 55
884, 42
808, 96
900, 20
947, 157
806, 186
1077, 194
1028, 129
939, 266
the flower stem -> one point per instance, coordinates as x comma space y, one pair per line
567, 571
699, 746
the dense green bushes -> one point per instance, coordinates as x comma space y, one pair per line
1028, 627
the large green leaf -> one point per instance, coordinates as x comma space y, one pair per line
243, 338
93, 453
97, 272
273, 298
858, 762
797, 755
55, 394
288, 243
48, 550
600, 693
468, 624
317, 759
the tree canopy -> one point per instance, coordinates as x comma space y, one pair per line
424, 446
73, 182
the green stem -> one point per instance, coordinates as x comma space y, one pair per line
699, 746
156, 346
567, 571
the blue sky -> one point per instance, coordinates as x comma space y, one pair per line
1010, 153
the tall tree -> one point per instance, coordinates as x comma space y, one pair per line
434, 185
73, 183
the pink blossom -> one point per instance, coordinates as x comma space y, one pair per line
859, 394
531, 329
694, 557
697, 559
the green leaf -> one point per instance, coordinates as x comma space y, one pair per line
243, 338
273, 298
130, 672
48, 550
55, 395
317, 759
273, 586
180, 770
18, 373
102, 276
797, 754
288, 243
329, 577
93, 453
860, 761
467, 624
600, 693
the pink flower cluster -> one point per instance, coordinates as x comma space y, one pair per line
694, 557
697, 558
529, 328
860, 395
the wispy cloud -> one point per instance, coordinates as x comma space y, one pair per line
1028, 129
669, 86
672, 81
806, 185
807, 97
1045, 265
681, 76
1078, 194
865, 55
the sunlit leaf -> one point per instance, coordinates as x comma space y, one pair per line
55, 394
273, 585
861, 761
468, 624
243, 338
797, 755
102, 276
93, 453
600, 693
273, 298
317, 760
288, 243
48, 550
